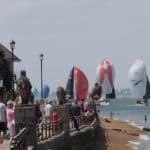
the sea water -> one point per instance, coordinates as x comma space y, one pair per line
126, 109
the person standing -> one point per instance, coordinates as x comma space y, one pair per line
2, 118
76, 109
48, 110
38, 112
145, 118
10, 119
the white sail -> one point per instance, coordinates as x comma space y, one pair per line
137, 76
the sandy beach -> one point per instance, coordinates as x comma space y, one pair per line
115, 134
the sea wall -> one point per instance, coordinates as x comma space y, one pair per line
75, 140
71, 139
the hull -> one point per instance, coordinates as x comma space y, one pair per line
103, 102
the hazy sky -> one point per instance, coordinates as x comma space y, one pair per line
76, 32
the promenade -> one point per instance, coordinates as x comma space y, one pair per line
110, 134
4, 145
55, 131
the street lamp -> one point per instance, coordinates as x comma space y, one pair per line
12, 46
41, 59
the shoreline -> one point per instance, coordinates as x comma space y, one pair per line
119, 133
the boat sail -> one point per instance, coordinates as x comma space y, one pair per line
105, 78
70, 85
112, 94
77, 83
147, 94
139, 81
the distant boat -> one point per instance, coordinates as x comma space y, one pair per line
112, 94
77, 85
103, 101
140, 101
139, 82
105, 78
96, 91
147, 94
96, 95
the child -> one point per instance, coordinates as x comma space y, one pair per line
10, 119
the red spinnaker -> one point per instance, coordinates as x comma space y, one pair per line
81, 84
107, 70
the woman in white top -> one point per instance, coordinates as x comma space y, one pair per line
48, 110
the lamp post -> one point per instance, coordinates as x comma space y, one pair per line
41, 59
12, 46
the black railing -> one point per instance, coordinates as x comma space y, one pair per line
19, 141
83, 120
46, 130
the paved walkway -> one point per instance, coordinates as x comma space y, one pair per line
4, 145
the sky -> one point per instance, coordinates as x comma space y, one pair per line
78, 33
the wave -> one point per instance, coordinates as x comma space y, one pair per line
143, 137
134, 142
138, 105
127, 121
135, 148
135, 124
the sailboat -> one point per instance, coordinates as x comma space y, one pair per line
105, 78
77, 85
112, 94
147, 94
139, 81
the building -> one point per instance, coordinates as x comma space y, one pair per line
6, 68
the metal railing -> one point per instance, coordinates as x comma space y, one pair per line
83, 120
19, 141
46, 130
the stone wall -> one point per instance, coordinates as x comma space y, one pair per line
63, 112
74, 140
77, 140
25, 117
84, 139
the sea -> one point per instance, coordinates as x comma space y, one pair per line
126, 109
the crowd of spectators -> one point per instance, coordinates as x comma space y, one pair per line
45, 112
7, 119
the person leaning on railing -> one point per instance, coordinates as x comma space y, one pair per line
75, 111
38, 112
54, 118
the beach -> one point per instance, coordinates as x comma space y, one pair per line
116, 134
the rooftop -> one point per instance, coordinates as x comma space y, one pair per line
8, 53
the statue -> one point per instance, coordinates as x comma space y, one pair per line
61, 95
24, 89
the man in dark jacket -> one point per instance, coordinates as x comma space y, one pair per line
76, 109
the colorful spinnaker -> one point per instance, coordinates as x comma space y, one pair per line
35, 93
78, 80
139, 80
45, 91
105, 78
